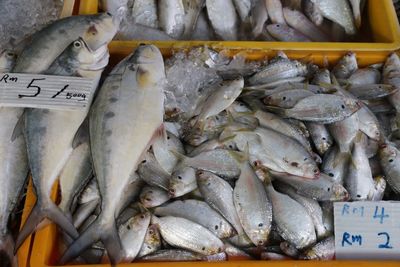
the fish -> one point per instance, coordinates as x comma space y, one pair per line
173, 255
151, 243
254, 209
183, 181
391, 75
219, 195
171, 17
202, 29
321, 189
151, 197
346, 66
293, 221
339, 12
335, 164
96, 30
258, 17
284, 33
223, 18
365, 76
192, 13
297, 20
14, 166
144, 13
51, 135
243, 8
186, 234
359, 181
286, 99
139, 77
116, 8
344, 132
321, 108
199, 212
389, 158
322, 76
275, 11
313, 13
320, 136
152, 173
372, 91
323, 250
132, 234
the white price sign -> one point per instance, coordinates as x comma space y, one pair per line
367, 230
45, 91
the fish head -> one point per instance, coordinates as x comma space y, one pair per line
183, 180
349, 104
259, 236
338, 192
147, 63
7, 60
388, 154
349, 59
150, 197
309, 167
153, 236
100, 31
141, 219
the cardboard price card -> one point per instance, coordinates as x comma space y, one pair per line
45, 91
367, 230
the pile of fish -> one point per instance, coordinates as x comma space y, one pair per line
246, 164
263, 20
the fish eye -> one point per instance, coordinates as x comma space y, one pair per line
144, 161
390, 160
331, 174
329, 189
343, 106
203, 248
77, 44
179, 177
216, 227
324, 138
315, 170
278, 25
305, 159
151, 232
142, 216
260, 225
284, 98
358, 195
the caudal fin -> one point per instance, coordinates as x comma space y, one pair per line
109, 237
7, 257
43, 210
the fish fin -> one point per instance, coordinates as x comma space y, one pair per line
19, 127
40, 211
179, 156
82, 134
109, 237
254, 103
277, 110
7, 257
229, 138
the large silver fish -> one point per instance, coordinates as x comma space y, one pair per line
122, 127
50, 135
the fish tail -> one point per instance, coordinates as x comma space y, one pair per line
40, 211
96, 231
7, 257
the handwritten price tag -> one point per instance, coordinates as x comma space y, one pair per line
45, 91
367, 230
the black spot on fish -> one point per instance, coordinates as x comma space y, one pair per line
109, 114
113, 99
108, 133
294, 164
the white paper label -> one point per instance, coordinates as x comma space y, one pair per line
45, 91
367, 230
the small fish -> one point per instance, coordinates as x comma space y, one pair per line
284, 33
254, 209
152, 173
313, 13
275, 12
223, 17
346, 66
152, 197
192, 13
183, 181
198, 212
389, 157
219, 195
323, 250
286, 99
243, 8
320, 136
322, 76
372, 91
335, 164
365, 76
344, 132
171, 17
186, 234
151, 243
258, 17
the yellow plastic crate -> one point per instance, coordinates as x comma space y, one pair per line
44, 252
384, 27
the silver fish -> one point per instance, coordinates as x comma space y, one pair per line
344, 132
138, 78
7, 60
192, 12
372, 91
335, 164
132, 235
284, 33
258, 17
379, 190
391, 75
219, 194
297, 20
389, 157
320, 136
346, 66
365, 76
292, 220
321, 189
254, 209
275, 12
198, 212
152, 197
312, 11
151, 243
183, 181
323, 250
359, 181
322, 76
224, 20
152, 173
144, 12
287, 98
162, 151
50, 136
243, 8
186, 234
171, 16
338, 11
